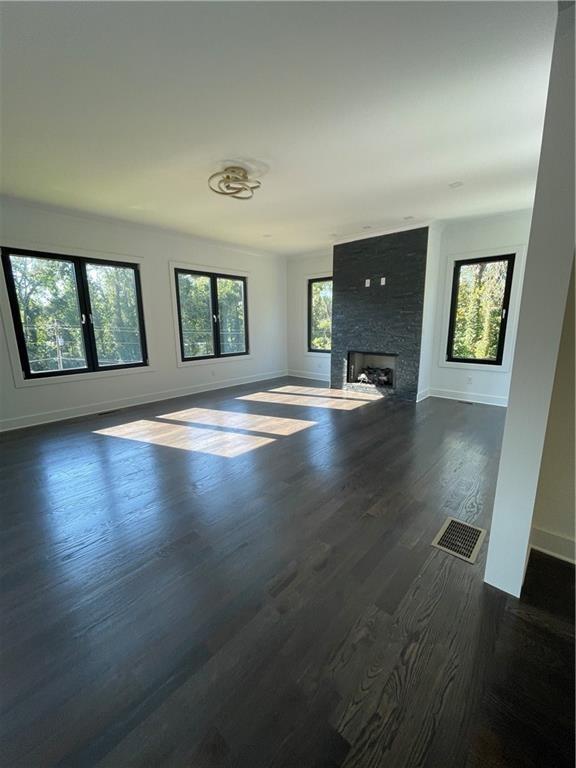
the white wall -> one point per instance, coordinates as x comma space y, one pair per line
553, 529
430, 309
31, 402
548, 265
466, 239
300, 269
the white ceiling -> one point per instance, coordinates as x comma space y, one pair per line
354, 115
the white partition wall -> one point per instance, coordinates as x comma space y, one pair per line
548, 265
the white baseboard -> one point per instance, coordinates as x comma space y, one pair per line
469, 397
310, 375
553, 544
61, 414
422, 395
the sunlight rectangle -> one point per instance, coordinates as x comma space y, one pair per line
253, 422
325, 392
213, 442
337, 404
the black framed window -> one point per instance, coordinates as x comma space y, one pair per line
74, 315
320, 314
479, 309
212, 314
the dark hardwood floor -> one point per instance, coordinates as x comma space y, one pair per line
244, 579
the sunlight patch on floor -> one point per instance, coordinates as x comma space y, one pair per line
216, 443
337, 404
344, 394
254, 422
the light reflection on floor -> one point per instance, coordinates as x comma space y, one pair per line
253, 422
343, 394
335, 403
214, 442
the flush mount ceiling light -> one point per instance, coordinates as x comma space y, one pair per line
233, 181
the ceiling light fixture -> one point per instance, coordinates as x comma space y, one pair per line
233, 181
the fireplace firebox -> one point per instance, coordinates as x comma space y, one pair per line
372, 369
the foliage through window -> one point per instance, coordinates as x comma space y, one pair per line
231, 311
212, 314
74, 315
114, 303
195, 314
479, 309
320, 314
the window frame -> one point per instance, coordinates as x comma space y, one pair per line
213, 277
311, 280
504, 312
79, 263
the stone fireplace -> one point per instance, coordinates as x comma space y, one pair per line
377, 304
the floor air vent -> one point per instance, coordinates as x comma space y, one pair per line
460, 539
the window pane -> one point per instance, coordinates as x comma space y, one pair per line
50, 314
321, 315
479, 305
195, 314
232, 315
115, 321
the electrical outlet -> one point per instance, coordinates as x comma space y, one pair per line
382, 281
367, 283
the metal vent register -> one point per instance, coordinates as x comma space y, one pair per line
460, 539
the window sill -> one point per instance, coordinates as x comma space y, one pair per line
213, 360
21, 382
315, 354
488, 367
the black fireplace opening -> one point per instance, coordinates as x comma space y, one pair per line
372, 369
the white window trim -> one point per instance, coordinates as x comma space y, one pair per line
519, 252
209, 269
10, 332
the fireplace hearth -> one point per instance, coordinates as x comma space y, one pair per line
371, 369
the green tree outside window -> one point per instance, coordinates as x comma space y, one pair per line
320, 320
479, 309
